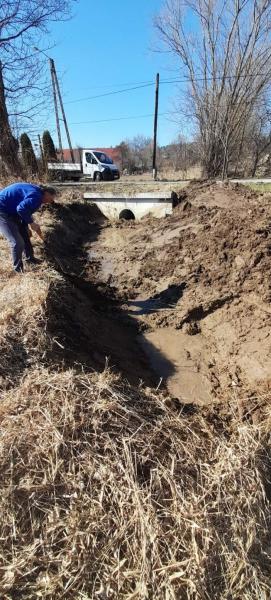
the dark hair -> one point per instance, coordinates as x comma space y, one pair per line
50, 190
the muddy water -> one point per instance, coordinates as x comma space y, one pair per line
178, 361
176, 358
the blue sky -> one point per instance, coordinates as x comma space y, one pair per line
108, 46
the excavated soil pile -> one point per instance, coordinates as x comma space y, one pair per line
203, 276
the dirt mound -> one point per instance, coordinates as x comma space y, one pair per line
215, 253
212, 193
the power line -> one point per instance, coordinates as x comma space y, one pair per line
137, 87
163, 82
110, 93
258, 104
149, 84
112, 85
124, 118
127, 83
131, 117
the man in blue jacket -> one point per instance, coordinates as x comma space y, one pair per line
18, 202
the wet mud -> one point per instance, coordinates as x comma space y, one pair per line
198, 285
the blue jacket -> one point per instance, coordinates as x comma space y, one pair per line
21, 199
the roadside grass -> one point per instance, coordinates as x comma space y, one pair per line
260, 187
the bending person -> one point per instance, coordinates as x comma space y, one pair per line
18, 202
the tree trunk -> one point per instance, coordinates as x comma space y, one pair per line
255, 164
10, 163
212, 159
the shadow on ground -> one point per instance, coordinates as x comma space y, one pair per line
168, 298
85, 321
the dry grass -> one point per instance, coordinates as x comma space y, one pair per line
185, 174
166, 174
23, 335
112, 492
107, 492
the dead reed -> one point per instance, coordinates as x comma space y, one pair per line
107, 492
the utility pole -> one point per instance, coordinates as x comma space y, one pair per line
154, 167
41, 148
44, 164
57, 93
52, 70
62, 110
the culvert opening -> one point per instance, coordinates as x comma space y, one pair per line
127, 214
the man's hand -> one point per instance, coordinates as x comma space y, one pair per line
35, 227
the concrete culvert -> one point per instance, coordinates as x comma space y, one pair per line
126, 214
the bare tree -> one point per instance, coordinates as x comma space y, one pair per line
126, 159
180, 155
226, 59
135, 154
258, 139
141, 150
21, 24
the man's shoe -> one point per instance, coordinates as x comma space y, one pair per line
19, 267
33, 261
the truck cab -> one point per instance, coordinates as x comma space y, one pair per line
99, 166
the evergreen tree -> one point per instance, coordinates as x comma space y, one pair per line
10, 164
49, 150
28, 154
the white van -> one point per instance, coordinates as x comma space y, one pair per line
94, 164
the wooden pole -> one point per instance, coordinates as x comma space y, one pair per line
63, 114
43, 161
154, 166
41, 148
52, 70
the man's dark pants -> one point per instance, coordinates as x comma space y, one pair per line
16, 232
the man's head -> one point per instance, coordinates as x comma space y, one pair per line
48, 194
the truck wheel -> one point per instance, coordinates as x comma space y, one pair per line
59, 176
98, 176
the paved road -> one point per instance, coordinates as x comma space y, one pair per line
118, 182
148, 182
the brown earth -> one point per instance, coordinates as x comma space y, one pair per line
199, 284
